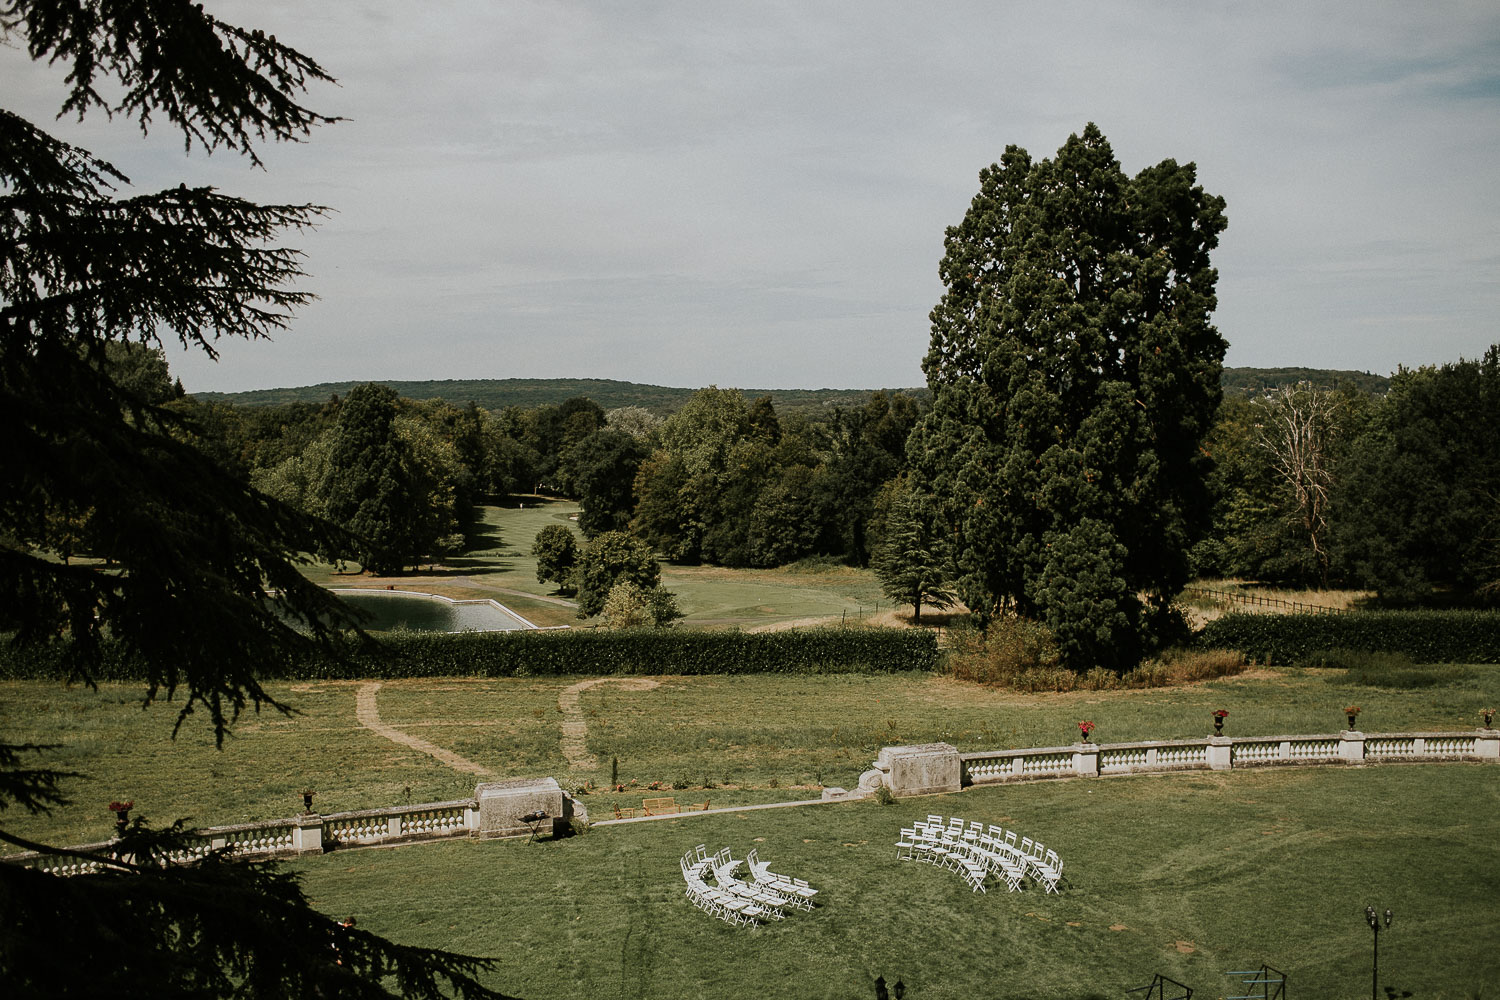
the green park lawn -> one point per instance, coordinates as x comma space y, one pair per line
498, 565
1191, 875
752, 737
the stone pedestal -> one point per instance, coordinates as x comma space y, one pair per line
1086, 759
1220, 753
503, 803
920, 770
1487, 744
1351, 745
307, 835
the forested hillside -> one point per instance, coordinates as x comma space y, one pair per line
1255, 381
496, 394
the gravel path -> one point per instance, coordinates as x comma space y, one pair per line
575, 731
368, 714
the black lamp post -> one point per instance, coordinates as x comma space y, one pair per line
1374, 922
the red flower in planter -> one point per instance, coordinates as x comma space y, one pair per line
1220, 713
1085, 727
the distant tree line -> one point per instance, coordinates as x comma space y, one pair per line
723, 480
1310, 485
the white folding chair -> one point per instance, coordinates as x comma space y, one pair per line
1049, 871
906, 847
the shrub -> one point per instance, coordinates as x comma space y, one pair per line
547, 653
1425, 636
1184, 666
1013, 652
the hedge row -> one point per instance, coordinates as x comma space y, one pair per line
563, 652
1425, 636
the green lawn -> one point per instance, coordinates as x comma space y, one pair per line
1269, 865
1189, 875
759, 735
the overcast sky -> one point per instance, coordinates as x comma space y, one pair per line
755, 194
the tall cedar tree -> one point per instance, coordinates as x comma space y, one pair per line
194, 571
1074, 372
372, 486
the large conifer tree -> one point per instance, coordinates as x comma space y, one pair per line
372, 486
193, 571
1074, 372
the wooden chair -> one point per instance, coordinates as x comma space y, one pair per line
659, 807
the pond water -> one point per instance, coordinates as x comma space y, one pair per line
426, 613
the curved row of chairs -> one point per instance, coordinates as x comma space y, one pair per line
975, 853
766, 896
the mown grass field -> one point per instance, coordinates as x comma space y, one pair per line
1189, 875
753, 738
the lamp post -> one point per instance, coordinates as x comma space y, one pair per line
1374, 922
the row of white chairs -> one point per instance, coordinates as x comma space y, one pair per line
975, 852
735, 900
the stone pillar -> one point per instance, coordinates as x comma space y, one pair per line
503, 803
1086, 760
1352, 746
1220, 753
1487, 744
921, 769
307, 835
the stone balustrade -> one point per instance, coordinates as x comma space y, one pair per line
495, 811
1218, 753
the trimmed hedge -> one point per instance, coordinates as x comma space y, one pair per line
1425, 636
564, 652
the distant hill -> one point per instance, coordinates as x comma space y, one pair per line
1254, 381
496, 394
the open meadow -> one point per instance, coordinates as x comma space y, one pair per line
1192, 875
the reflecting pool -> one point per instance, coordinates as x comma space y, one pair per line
398, 609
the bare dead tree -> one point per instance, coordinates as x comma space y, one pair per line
1301, 423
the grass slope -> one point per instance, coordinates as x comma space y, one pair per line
1191, 876
751, 737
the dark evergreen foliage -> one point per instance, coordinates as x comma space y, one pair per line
191, 576
1074, 374
912, 557
1422, 496
373, 486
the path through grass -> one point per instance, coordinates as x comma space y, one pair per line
751, 738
